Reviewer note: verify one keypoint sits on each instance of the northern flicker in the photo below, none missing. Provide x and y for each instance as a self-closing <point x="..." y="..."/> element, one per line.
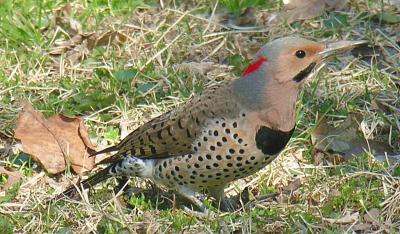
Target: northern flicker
<point x="229" y="131"/>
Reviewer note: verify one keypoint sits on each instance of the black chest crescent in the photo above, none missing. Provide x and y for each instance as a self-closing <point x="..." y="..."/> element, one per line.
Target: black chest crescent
<point x="271" y="141"/>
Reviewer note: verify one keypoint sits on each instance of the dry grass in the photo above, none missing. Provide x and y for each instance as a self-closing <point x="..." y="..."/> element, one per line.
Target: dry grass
<point x="176" y="53"/>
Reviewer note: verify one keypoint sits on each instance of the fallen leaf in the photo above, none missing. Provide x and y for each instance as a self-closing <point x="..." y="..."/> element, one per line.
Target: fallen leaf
<point x="345" y="219"/>
<point x="372" y="216"/>
<point x="362" y="227"/>
<point x="63" y="46"/>
<point x="105" y="38"/>
<point x="64" y="19"/>
<point x="77" y="44"/>
<point x="201" y="68"/>
<point x="345" y="139"/>
<point x="14" y="176"/>
<point x="55" y="141"/>
<point x="247" y="17"/>
<point x="295" y="10"/>
<point x="293" y="186"/>
<point x="239" y="20"/>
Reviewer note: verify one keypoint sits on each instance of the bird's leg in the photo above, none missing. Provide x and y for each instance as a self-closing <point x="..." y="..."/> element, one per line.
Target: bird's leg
<point x="193" y="197"/>
<point x="224" y="203"/>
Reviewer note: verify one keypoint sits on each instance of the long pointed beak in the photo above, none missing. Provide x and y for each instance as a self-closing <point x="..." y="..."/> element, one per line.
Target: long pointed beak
<point x="340" y="47"/>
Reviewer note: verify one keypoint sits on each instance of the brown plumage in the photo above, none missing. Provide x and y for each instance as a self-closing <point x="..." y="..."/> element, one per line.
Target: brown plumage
<point x="230" y="131"/>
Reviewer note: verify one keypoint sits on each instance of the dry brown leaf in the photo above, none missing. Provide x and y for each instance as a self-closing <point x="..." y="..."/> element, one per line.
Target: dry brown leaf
<point x="64" y="46"/>
<point x="362" y="227"/>
<point x="55" y="141"/>
<point x="246" y="17"/>
<point x="77" y="46"/>
<point x="14" y="176"/>
<point x="345" y="139"/>
<point x="64" y="19"/>
<point x="293" y="186"/>
<point x="345" y="219"/>
<point x="201" y="68"/>
<point x="295" y="10"/>
<point x="105" y="38"/>
<point x="372" y="216"/>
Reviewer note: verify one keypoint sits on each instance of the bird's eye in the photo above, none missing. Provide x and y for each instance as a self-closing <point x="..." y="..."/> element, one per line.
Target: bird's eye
<point x="300" y="54"/>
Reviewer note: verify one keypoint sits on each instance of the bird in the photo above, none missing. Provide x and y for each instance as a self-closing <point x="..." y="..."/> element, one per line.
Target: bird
<point x="229" y="131"/>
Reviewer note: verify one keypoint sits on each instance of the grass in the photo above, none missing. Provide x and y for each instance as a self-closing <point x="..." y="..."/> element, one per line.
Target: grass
<point x="120" y="84"/>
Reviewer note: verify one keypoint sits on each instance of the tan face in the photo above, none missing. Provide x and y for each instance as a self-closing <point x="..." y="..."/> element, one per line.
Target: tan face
<point x="292" y="59"/>
<point x="296" y="63"/>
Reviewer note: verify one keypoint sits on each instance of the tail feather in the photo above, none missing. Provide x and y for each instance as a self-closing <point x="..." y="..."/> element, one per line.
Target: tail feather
<point x="89" y="182"/>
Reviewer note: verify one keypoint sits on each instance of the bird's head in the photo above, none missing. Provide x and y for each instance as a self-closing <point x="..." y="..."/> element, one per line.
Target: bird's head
<point x="293" y="59"/>
<point x="282" y="65"/>
<point x="271" y="83"/>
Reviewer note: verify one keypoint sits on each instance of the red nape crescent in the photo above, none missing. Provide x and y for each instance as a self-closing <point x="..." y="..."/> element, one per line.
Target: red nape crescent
<point x="254" y="66"/>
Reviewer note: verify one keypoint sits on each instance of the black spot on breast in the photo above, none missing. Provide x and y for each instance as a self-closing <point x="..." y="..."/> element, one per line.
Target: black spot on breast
<point x="271" y="141"/>
<point x="180" y="124"/>
<point x="169" y="130"/>
<point x="159" y="135"/>
<point x="153" y="149"/>
<point x="150" y="139"/>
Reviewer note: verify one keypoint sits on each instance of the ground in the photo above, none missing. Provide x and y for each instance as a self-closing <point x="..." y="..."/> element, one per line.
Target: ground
<point x="117" y="64"/>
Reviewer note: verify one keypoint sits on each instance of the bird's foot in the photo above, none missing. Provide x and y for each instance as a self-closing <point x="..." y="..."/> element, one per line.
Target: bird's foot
<point x="228" y="205"/>
<point x="204" y="214"/>
<point x="196" y="199"/>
